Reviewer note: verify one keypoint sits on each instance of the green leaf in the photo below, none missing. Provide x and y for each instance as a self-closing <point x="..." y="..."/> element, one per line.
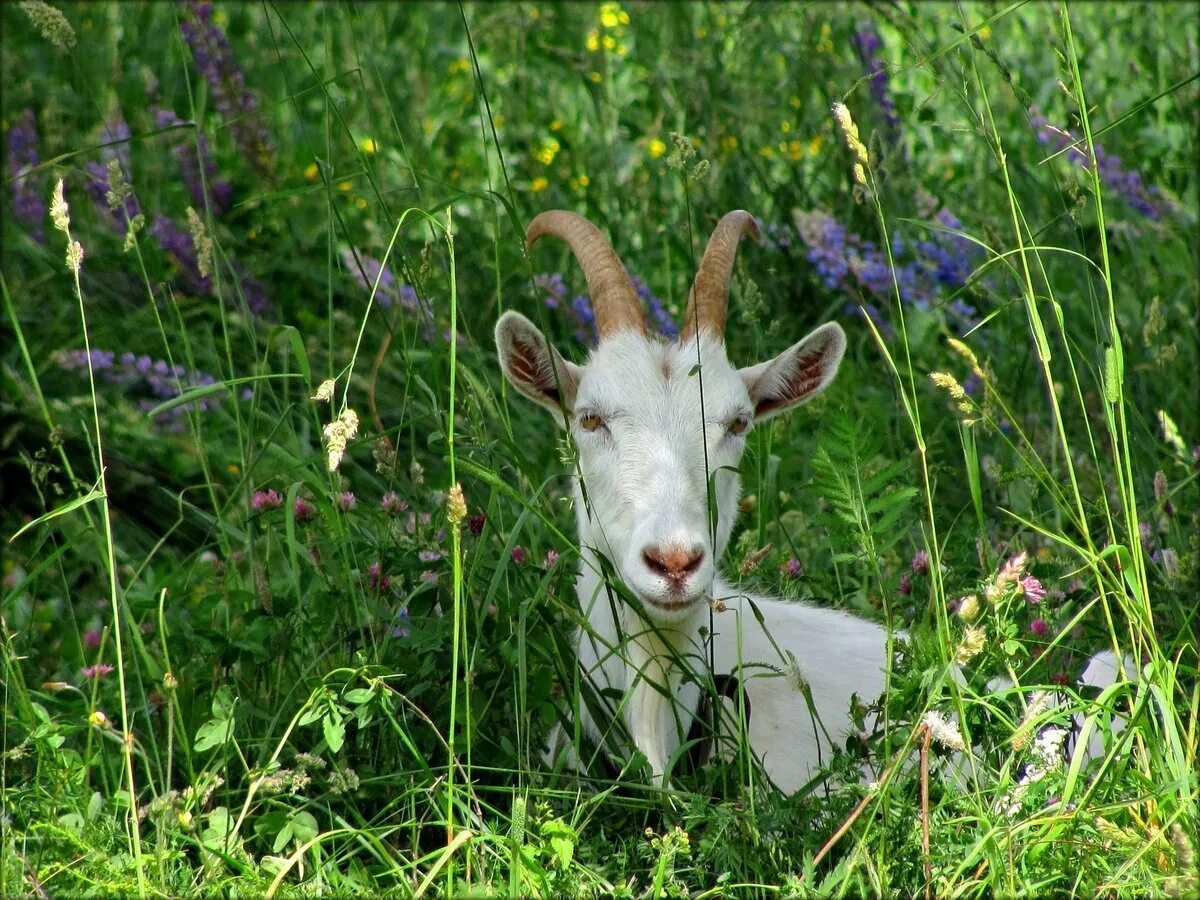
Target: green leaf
<point x="69" y="506"/>
<point x="335" y="731"/>
<point x="213" y="733"/>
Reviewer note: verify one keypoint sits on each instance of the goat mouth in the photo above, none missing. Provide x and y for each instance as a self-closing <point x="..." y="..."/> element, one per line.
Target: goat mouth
<point x="672" y="605"/>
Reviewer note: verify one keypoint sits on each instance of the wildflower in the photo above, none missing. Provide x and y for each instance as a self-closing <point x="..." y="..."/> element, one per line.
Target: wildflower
<point x="1009" y="574"/>
<point x="868" y="46"/>
<point x="968" y="607"/>
<point x="416" y="472"/>
<point x="920" y="563"/>
<point x="656" y="148"/>
<point x="98" y="719"/>
<point x="59" y="211"/>
<point x="1032" y="589"/>
<point x="202" y="242"/>
<point x="1160" y="487"/>
<point x="519" y="554"/>
<point x="400" y="631"/>
<point x="22" y="158"/>
<point x="343" y="781"/>
<point x="539" y="184"/>
<point x="392" y="504"/>
<point x="377" y="579"/>
<point x="74" y="256"/>
<point x="429" y="576"/>
<point x="260" y="501"/>
<point x="429" y="555"/>
<point x="1039" y="627"/>
<point x="905" y="585"/>
<point x="551" y="559"/>
<point x="475" y="524"/>
<point x="973" y="641"/>
<point x="943" y="731"/>
<point x="99" y="670"/>
<point x="792" y="568"/>
<point x="338" y="433"/>
<point x="325" y="390"/>
<point x="456" y="505"/>
<point x="346" y="501"/>
<point x="50" y="23"/>
<point x="303" y="511"/>
<point x="170" y="682"/>
<point x="190" y="149"/>
<point x="1169" y="560"/>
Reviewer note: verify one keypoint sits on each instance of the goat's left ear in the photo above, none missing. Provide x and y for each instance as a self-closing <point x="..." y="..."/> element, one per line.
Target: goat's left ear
<point x="796" y="374"/>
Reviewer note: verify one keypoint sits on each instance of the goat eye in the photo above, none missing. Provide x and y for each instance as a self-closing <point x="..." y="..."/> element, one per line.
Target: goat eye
<point x="591" y="422"/>
<point x="739" y="425"/>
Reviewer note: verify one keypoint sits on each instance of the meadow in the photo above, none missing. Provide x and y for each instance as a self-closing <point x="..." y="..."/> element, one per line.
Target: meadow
<point x="287" y="566"/>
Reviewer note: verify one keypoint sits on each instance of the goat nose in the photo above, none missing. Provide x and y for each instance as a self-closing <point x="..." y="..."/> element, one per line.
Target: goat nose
<point x="673" y="561"/>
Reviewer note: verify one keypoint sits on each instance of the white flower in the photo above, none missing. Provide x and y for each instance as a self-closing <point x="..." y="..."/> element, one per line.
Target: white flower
<point x="943" y="731"/>
<point x="338" y="434"/>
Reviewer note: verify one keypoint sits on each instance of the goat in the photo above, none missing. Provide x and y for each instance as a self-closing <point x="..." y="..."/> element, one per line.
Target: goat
<point x="660" y="428"/>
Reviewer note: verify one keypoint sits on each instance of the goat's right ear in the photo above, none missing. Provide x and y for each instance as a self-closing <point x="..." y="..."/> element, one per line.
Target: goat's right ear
<point x="533" y="367"/>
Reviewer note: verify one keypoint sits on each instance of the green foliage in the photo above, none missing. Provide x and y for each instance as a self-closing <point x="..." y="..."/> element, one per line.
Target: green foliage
<point x="229" y="668"/>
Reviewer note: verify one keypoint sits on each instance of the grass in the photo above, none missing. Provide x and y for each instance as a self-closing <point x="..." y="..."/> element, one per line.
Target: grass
<point x="227" y="667"/>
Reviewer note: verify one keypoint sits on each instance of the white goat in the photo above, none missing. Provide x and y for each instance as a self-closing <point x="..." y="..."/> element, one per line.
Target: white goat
<point x="660" y="428"/>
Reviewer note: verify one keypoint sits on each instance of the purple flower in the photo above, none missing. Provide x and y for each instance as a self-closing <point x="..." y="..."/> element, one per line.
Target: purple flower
<point x="868" y="45"/>
<point x="195" y="163"/>
<point x="428" y="577"/>
<point x="91" y="639"/>
<point x="99" y="670"/>
<point x="475" y="524"/>
<point x="28" y="203"/>
<point x="905" y="585"/>
<point x="235" y="103"/>
<point x="1032" y="588"/>
<point x="1125" y="183"/>
<point x="792" y="568"/>
<point x="658" y="320"/>
<point x="346" y="501"/>
<point x="428" y="556"/>
<point x="366" y="270"/>
<point x="303" y="511"/>
<point x="920" y="563"/>
<point x="261" y="501"/>
<point x="551" y="559"/>
<point x="378" y="581"/>
<point x="1039" y="627"/>
<point x="392" y="504"/>
<point x="399" y="630"/>
<point x="519" y="554"/>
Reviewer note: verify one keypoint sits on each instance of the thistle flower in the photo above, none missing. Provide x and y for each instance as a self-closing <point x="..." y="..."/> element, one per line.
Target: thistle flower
<point x="792" y="568"/>
<point x="50" y="23"/>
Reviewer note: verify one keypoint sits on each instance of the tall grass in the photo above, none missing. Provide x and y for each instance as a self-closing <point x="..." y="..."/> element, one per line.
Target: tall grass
<point x="321" y="681"/>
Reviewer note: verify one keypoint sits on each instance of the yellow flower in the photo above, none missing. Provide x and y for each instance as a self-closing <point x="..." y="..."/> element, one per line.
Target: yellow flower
<point x="594" y="76"/>
<point x="608" y="42"/>
<point x="610" y="15"/>
<point x="232" y="468"/>
<point x="785" y="126"/>
<point x="656" y="148"/>
<point x="462" y="64"/>
<point x="539" y="184"/>
<point x="584" y="181"/>
<point x="729" y="142"/>
<point x="344" y="185"/>
<point x="985" y="32"/>
<point x="593" y="41"/>
<point x="368" y="145"/>
<point x="361" y="203"/>
<point x="795" y="151"/>
<point x="556" y="125"/>
<point x="311" y="171"/>
<point x="814" y="146"/>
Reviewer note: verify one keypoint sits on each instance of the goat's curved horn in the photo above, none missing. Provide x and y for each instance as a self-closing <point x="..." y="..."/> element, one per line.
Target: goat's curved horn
<point x="708" y="302"/>
<point x="614" y="299"/>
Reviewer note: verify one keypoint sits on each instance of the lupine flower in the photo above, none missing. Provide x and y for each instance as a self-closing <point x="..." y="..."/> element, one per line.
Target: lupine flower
<point x="1125" y="183"/>
<point x="155" y="380"/>
<point x="195" y="164"/>
<point x="235" y="103"/>
<point x="115" y="206"/>
<point x="1039" y="627"/>
<point x="303" y="511"/>
<point x="261" y="501"/>
<point x="1032" y="589"/>
<point x="792" y="568"/>
<point x="519" y="554"/>
<point x="868" y="45"/>
<point x="392" y="504"/>
<point x="99" y="670"/>
<point x="429" y="555"/>
<point x="178" y="244"/>
<point x="27" y="205"/>
<point x="346" y="501"/>
<point x="579" y="310"/>
<point x="920" y="563"/>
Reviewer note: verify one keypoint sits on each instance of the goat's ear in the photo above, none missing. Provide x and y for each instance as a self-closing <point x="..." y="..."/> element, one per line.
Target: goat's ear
<point x="533" y="367"/>
<point x="797" y="374"/>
